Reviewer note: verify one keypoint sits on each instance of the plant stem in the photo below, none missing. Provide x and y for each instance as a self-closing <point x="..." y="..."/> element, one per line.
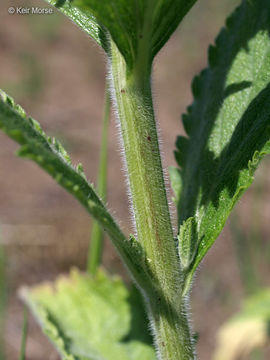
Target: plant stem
<point x="24" y="334"/>
<point x="2" y="301"/>
<point x="97" y="236"/>
<point x="244" y="258"/>
<point x="166" y="305"/>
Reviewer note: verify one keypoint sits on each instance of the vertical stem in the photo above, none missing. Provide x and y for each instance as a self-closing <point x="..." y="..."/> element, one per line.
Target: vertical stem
<point x="24" y="334"/>
<point x="244" y="258"/>
<point x="166" y="305"/>
<point x="97" y="236"/>
<point x="2" y="301"/>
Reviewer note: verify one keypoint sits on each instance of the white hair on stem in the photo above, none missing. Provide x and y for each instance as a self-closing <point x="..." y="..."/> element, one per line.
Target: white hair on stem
<point x="110" y="81"/>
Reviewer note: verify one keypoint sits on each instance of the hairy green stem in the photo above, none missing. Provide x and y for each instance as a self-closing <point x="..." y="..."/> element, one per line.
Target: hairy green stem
<point x="166" y="305"/>
<point x="97" y="236"/>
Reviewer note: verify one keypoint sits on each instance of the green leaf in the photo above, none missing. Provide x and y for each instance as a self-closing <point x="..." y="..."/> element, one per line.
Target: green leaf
<point x="84" y="20"/>
<point x="50" y="155"/>
<point x="228" y="124"/>
<point x="168" y="15"/>
<point x="121" y="18"/>
<point x="187" y="242"/>
<point x="246" y="330"/>
<point x="91" y="317"/>
<point x="176" y="182"/>
<point x="138" y="27"/>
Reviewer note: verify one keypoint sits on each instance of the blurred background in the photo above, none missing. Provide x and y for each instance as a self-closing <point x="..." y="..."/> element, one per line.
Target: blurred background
<point x="58" y="75"/>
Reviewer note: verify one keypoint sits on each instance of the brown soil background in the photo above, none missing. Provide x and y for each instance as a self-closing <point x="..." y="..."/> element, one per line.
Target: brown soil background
<point x="52" y="69"/>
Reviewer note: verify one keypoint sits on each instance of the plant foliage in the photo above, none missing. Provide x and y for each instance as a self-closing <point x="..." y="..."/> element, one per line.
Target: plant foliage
<point x="83" y="19"/>
<point x="228" y="133"/>
<point x="228" y="128"/>
<point x="50" y="155"/>
<point x="128" y="23"/>
<point x="91" y="317"/>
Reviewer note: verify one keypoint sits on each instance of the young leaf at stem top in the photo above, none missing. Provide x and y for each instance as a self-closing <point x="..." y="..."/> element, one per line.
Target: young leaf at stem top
<point x="228" y="126"/>
<point x="135" y="26"/>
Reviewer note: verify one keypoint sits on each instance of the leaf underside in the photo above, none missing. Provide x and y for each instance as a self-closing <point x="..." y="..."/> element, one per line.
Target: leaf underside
<point x="228" y="127"/>
<point x="90" y="318"/>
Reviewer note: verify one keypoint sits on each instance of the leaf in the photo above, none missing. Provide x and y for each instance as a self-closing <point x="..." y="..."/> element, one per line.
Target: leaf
<point x="176" y="182"/>
<point x="91" y="317"/>
<point x="138" y="27"/>
<point x="187" y="241"/>
<point x="84" y="20"/>
<point x="120" y="18"/>
<point x="168" y="15"/>
<point x="228" y="124"/>
<point x="246" y="330"/>
<point x="50" y="155"/>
